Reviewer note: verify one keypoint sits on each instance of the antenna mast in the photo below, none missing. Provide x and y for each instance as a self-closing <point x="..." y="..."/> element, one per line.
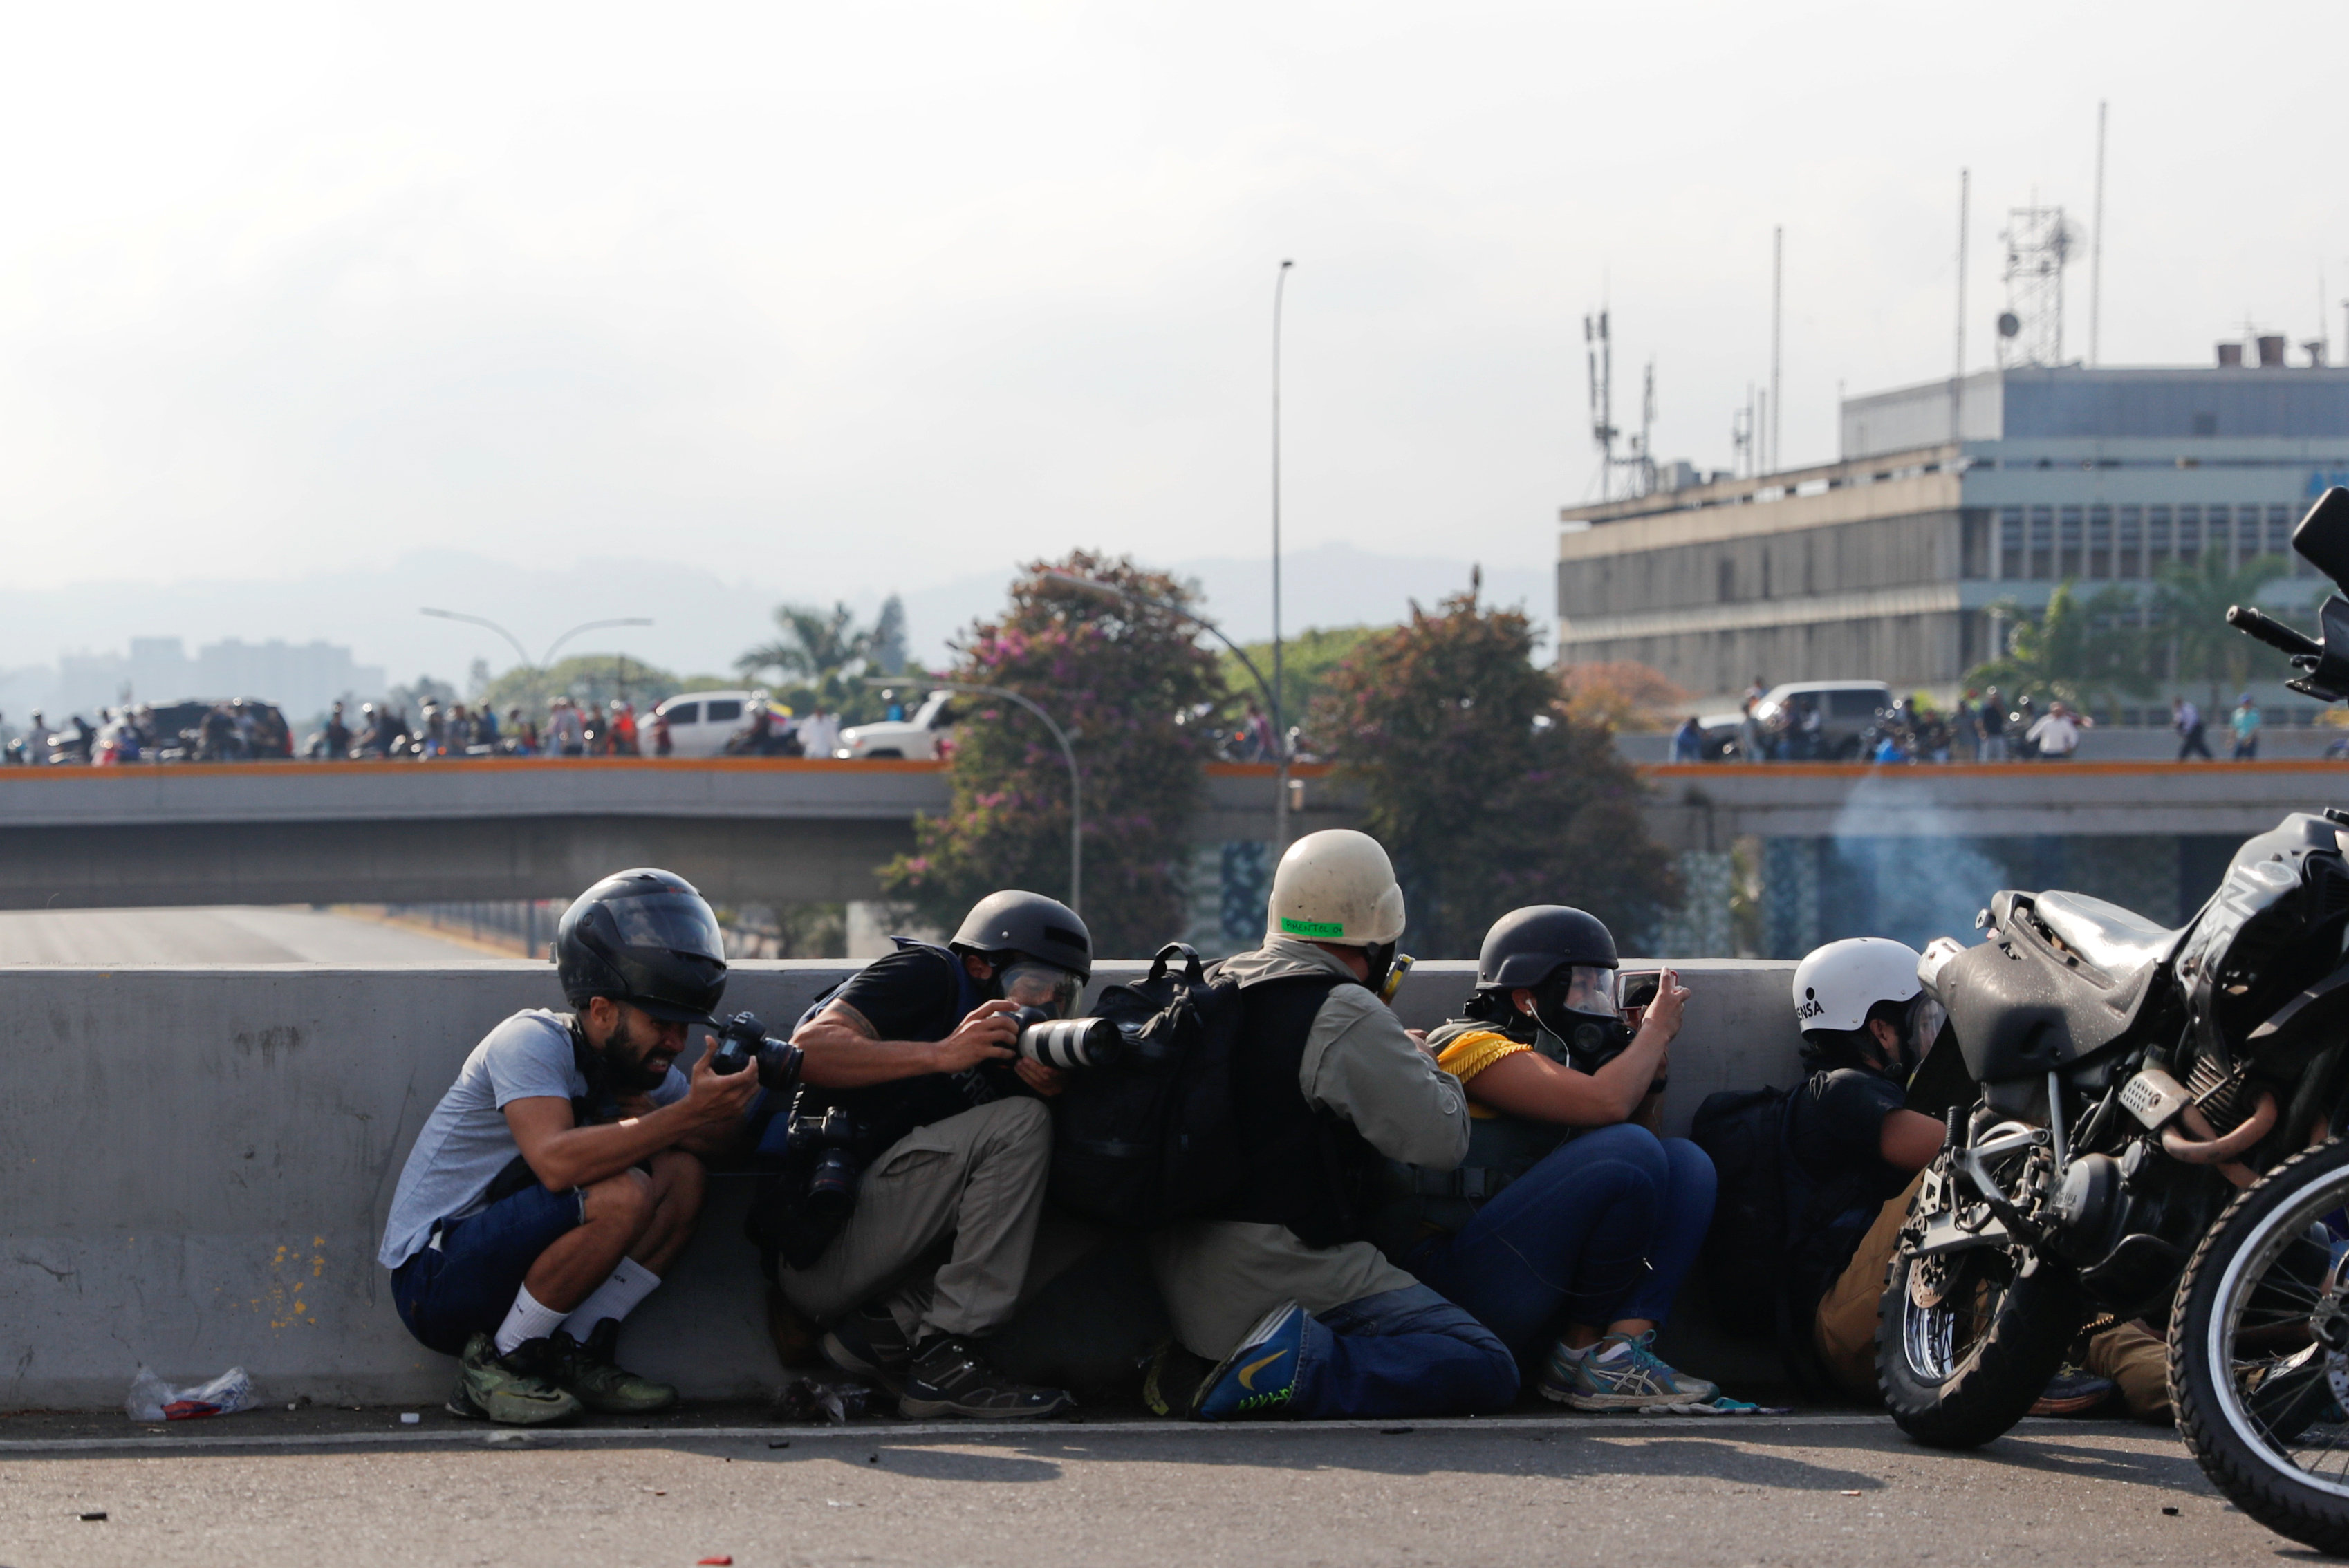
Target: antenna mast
<point x="2040" y="243"/>
<point x="1957" y="376"/>
<point x="1598" y="338"/>
<point x="1777" y="302"/>
<point x="2096" y="248"/>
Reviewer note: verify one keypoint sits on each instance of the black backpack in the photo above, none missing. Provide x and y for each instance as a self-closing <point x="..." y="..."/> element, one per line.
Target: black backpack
<point x="1747" y="1251"/>
<point x="1152" y="1138"/>
<point x="1779" y="1238"/>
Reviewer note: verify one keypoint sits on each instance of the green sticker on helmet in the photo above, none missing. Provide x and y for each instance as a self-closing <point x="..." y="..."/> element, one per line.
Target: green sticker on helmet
<point x="1317" y="930"/>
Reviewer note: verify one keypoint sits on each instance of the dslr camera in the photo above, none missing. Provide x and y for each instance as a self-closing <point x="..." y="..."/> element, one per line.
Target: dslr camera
<point x="743" y="1043"/>
<point x="1058" y="1042"/>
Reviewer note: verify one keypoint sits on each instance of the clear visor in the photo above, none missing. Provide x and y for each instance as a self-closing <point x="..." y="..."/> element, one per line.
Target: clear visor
<point x="1033" y="984"/>
<point x="670" y="920"/>
<point x="1925" y="1021"/>
<point x="1586" y="988"/>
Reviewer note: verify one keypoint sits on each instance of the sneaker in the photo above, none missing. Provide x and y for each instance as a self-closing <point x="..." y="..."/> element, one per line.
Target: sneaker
<point x="512" y="1389"/>
<point x="1259" y="1377"/>
<point x="1598" y="1379"/>
<point x="591" y="1375"/>
<point x="868" y="1344"/>
<point x="947" y="1377"/>
<point x="2071" y="1392"/>
<point x="1172" y="1378"/>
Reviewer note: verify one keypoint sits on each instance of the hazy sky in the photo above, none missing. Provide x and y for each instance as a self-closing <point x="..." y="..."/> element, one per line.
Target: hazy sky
<point x="874" y="295"/>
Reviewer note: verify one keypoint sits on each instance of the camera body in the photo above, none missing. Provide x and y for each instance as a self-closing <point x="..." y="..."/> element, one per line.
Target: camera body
<point x="824" y="1140"/>
<point x="743" y="1043"/>
<point x="1057" y="1042"/>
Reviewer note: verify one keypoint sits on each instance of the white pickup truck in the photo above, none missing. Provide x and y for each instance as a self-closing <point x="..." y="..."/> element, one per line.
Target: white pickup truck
<point x="914" y="738"/>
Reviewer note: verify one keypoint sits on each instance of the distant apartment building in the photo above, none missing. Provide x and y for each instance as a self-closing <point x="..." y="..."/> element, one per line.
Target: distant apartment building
<point x="1952" y="498"/>
<point x="301" y="678"/>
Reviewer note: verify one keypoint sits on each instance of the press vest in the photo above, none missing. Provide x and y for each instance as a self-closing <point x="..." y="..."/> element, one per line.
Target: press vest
<point x="1416" y="1202"/>
<point x="1307" y="1168"/>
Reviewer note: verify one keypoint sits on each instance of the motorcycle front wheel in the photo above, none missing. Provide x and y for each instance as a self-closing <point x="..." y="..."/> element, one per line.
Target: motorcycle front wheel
<point x="2259" y="1350"/>
<point x="1965" y="1341"/>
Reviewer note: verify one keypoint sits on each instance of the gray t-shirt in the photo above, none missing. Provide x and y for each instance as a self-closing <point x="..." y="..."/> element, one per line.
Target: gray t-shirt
<point x="466" y="1141"/>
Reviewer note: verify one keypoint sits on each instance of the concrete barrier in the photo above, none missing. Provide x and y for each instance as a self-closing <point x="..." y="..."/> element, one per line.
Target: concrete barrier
<point x="195" y="1165"/>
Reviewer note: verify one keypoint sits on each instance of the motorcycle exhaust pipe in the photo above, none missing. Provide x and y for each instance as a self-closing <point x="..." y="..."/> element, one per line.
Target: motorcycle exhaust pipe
<point x="2209" y="1149"/>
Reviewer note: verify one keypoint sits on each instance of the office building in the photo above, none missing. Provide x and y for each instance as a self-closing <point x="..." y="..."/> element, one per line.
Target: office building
<point x="1950" y="500"/>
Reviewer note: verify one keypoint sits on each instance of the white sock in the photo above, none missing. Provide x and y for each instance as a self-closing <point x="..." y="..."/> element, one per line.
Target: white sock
<point x="526" y="1319"/>
<point x="1616" y="1351"/>
<point x="617" y="1297"/>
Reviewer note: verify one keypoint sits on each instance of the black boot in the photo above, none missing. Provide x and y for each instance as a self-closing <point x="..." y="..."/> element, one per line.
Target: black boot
<point x="948" y="1377"/>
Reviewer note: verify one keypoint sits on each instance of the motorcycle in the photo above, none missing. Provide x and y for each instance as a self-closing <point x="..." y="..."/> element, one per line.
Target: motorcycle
<point x="2147" y="1122"/>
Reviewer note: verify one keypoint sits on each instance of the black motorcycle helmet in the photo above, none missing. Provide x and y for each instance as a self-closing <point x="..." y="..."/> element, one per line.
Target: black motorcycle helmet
<point x="644" y="937"/>
<point x="1558" y="954"/>
<point x="1027" y="923"/>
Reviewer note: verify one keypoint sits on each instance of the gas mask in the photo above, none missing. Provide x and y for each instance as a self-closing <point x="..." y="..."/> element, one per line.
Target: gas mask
<point x="1578" y="1006"/>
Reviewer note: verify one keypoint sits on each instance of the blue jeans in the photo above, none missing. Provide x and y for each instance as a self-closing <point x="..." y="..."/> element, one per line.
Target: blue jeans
<point x="1405" y="1352"/>
<point x="465" y="1287"/>
<point x="1604" y="1228"/>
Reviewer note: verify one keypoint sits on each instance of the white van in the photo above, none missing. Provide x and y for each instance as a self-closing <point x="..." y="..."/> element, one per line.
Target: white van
<point x="915" y="739"/>
<point x="701" y="723"/>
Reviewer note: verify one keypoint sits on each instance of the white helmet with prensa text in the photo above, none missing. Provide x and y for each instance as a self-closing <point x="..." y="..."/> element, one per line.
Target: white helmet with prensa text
<point x="1837" y="984"/>
<point x="1336" y="885"/>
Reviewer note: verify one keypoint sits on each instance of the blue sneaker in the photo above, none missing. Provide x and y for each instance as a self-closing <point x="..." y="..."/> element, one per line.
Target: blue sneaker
<point x="1618" y="1373"/>
<point x="1259" y="1377"/>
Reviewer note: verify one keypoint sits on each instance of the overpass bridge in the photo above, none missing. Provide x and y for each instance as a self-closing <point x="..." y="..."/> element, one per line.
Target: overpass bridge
<point x="497" y="829"/>
<point x="1823" y="850"/>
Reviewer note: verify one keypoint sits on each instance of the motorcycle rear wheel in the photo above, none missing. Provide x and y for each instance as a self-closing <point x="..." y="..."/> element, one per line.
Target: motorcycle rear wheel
<point x="1961" y="1360"/>
<point x="2252" y="1388"/>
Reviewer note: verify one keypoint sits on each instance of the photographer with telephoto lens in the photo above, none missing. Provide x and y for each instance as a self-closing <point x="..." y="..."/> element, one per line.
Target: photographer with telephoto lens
<point x="558" y="1177"/>
<point x="923" y="1052"/>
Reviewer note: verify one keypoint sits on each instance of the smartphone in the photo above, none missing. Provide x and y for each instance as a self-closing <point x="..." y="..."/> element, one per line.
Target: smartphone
<point x="1637" y="987"/>
<point x="1397" y="972"/>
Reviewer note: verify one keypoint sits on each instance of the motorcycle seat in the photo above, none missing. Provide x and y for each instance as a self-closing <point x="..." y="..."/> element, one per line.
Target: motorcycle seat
<point x="2121" y="944"/>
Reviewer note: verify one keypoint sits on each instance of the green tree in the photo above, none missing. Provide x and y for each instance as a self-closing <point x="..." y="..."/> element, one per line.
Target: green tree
<point x="1306" y="661"/>
<point x="589" y="679"/>
<point x="2084" y="653"/>
<point x="1125" y="680"/>
<point x="2191" y="601"/>
<point x="1489" y="791"/>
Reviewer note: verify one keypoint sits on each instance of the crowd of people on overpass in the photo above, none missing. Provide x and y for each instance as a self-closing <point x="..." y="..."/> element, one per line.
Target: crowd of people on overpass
<point x="1342" y="1217"/>
<point x="1983" y="726"/>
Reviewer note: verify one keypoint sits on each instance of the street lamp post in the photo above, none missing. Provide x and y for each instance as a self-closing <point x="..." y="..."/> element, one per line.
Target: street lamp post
<point x="1279" y="290"/>
<point x="1068" y="755"/>
<point x="1271" y="692"/>
<point x="523" y="654"/>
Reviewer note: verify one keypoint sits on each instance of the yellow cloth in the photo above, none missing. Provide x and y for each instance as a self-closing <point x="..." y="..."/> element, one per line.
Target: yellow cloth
<point x="1467" y="1054"/>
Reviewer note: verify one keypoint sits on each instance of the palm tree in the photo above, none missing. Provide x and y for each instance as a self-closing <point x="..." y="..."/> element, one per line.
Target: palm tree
<point x="2191" y="601"/>
<point x="818" y="645"/>
<point x="2084" y="653"/>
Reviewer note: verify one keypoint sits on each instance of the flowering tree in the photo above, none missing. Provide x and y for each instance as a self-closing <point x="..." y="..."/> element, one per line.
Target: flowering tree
<point x="1125" y="680"/>
<point x="1488" y="787"/>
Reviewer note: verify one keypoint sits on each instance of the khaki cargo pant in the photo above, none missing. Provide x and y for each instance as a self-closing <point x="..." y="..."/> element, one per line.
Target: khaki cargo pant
<point x="944" y="1225"/>
<point x="1844" y="1330"/>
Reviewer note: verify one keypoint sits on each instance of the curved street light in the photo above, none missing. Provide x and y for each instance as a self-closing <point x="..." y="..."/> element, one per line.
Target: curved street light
<point x="1068" y="755"/>
<point x="1271" y="694"/>
<point x="522" y="653"/>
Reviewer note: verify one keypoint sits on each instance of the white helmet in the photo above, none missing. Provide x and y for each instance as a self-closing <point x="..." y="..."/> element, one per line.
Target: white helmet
<point x="1336" y="885"/>
<point x="1837" y="984"/>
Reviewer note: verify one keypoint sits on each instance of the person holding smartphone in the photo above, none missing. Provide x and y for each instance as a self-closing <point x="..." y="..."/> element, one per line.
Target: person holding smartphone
<point x="1568" y="1228"/>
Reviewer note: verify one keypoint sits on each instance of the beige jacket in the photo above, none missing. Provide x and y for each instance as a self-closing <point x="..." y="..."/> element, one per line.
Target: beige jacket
<point x="1219" y="1277"/>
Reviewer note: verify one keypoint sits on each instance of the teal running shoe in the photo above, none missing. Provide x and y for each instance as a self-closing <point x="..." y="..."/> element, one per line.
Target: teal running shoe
<point x="1259" y="1377"/>
<point x="1620" y="1373"/>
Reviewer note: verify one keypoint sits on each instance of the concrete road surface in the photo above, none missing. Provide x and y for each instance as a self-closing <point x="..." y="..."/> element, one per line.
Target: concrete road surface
<point x="1815" y="1491"/>
<point x="228" y="934"/>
